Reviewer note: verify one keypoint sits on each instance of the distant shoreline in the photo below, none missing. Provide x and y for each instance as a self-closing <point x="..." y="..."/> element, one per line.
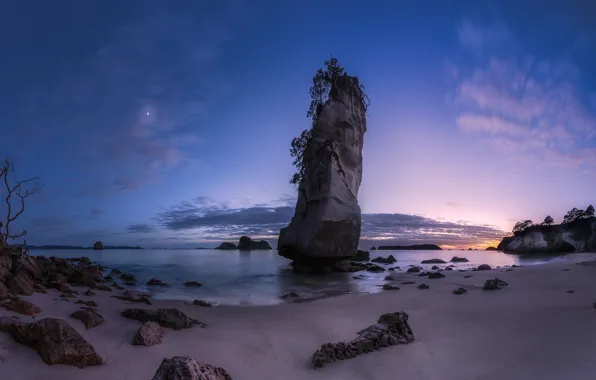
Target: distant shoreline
<point x="64" y="247"/>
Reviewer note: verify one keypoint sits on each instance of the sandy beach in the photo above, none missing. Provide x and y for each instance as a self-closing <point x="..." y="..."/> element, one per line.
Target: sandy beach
<point x="534" y="328"/>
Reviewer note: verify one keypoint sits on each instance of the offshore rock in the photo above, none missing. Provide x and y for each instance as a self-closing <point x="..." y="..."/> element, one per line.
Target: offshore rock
<point x="326" y="224"/>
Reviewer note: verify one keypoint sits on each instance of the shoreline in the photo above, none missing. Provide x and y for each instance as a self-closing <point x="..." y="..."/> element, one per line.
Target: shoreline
<point x="517" y="332"/>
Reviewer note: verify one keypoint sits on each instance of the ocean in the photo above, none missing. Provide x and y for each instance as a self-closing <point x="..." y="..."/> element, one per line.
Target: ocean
<point x="261" y="277"/>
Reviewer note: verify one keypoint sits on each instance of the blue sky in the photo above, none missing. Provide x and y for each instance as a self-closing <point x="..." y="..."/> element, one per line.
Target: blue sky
<point x="168" y="123"/>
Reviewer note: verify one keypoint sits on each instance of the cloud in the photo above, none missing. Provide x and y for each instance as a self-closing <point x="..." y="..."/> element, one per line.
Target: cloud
<point x="132" y="110"/>
<point x="214" y="221"/>
<point x="531" y="109"/>
<point x="140" y="229"/>
<point x="477" y="38"/>
<point x="451" y="204"/>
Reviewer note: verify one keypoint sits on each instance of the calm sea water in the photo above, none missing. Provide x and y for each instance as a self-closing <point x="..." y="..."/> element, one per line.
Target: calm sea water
<point x="261" y="277"/>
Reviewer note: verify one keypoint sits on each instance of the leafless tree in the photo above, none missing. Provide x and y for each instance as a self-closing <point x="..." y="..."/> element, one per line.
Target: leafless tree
<point x="15" y="193"/>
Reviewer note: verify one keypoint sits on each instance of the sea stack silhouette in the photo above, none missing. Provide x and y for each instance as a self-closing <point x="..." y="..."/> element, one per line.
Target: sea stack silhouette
<point x="326" y="224"/>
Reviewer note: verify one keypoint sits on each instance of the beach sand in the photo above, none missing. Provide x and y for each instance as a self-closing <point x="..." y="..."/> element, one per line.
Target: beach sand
<point x="532" y="329"/>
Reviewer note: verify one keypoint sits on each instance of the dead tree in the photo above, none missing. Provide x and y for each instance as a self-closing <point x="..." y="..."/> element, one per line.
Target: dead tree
<point x="14" y="197"/>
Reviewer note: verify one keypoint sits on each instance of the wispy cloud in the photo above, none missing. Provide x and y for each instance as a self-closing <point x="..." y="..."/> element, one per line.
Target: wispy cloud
<point x="523" y="106"/>
<point x="140" y="229"/>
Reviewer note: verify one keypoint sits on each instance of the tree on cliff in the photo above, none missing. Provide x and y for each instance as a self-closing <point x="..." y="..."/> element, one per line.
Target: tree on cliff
<point x="319" y="94"/>
<point x="522" y="226"/>
<point x="548" y="221"/>
<point x="575" y="214"/>
<point x="590" y="211"/>
<point x="14" y="193"/>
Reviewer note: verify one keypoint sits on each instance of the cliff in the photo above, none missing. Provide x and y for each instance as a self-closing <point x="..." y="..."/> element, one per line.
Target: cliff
<point x="326" y="224"/>
<point x="576" y="236"/>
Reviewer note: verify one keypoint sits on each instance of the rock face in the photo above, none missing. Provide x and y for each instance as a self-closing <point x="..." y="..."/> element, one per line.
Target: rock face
<point x="247" y="244"/>
<point x="56" y="341"/>
<point x="186" y="368"/>
<point x="326" y="222"/>
<point x="391" y="329"/>
<point x="579" y="235"/>
<point x="149" y="334"/>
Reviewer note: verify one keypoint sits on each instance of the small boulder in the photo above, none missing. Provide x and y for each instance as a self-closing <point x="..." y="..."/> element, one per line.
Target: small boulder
<point x="494" y="284"/>
<point x="193" y="283"/>
<point x="156" y="282"/>
<point x="384" y="260"/>
<point x="423" y="286"/>
<point x="128" y="277"/>
<point x="456" y="259"/>
<point x="128" y="297"/>
<point x="408" y="282"/>
<point x="202" y="303"/>
<point x="149" y="334"/>
<point x="434" y="261"/>
<point x="484" y="267"/>
<point x="290" y="297"/>
<point x="21" y="306"/>
<point x="186" y="368"/>
<point x="89" y="293"/>
<point x="390" y="287"/>
<point x="56" y="341"/>
<point x="467" y="276"/>
<point x="89" y="318"/>
<point x="171" y="318"/>
<point x="374" y="268"/>
<point x="87" y="303"/>
<point x="459" y="291"/>
<point x="435" y="275"/>
<point x="413" y="270"/>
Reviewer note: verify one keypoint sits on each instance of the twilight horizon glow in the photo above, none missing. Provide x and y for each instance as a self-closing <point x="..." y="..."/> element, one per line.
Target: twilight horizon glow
<point x="169" y="125"/>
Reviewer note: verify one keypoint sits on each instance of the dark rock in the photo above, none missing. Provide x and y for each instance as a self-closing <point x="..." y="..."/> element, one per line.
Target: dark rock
<point x="459" y="291"/>
<point x="128" y="277"/>
<point x="193" y="283"/>
<point x="361" y="256"/>
<point x="390" y="287"/>
<point x="374" y="268"/>
<point x="491" y="249"/>
<point x="391" y="329"/>
<point x="156" y="282"/>
<point x="509" y="270"/>
<point x="408" y="282"/>
<point x="68" y="295"/>
<point x="434" y="261"/>
<point x="20" y="283"/>
<point x="56" y="341"/>
<point x="89" y="293"/>
<point x="89" y="318"/>
<point x="413" y="270"/>
<point x="571" y="291"/>
<point x="186" y="368"/>
<point x="131" y="298"/>
<point x="388" y="278"/>
<point x="116" y="271"/>
<point x="149" y="334"/>
<point x="384" y="260"/>
<point x="435" y="275"/>
<point x="423" y="286"/>
<point x="456" y="259"/>
<point x="484" y="267"/>
<point x="448" y="268"/>
<point x="130" y="283"/>
<point x="105" y="288"/>
<point x="227" y="246"/>
<point x="21" y="306"/>
<point x="247" y="244"/>
<point x="434" y="267"/>
<point x="87" y="303"/>
<point x="494" y="284"/>
<point x="61" y="286"/>
<point x="468" y="276"/>
<point x="290" y="297"/>
<point x="202" y="303"/>
<point x="171" y="318"/>
<point x="359" y="277"/>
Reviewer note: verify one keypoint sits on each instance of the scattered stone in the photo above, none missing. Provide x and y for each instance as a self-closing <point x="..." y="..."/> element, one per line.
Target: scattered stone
<point x="408" y="282"/>
<point x="128" y="277"/>
<point x="423" y="286"/>
<point x="448" y="268"/>
<point x="290" y="297"/>
<point x="388" y="278"/>
<point x="571" y="291"/>
<point x="172" y="318"/>
<point x="88" y="303"/>
<point x="89" y="293"/>
<point x="435" y="275"/>
<point x="193" y="283"/>
<point x="131" y="298"/>
<point x="566" y="269"/>
<point x="433" y="261"/>
<point x="20" y="283"/>
<point x="156" y="282"/>
<point x="494" y="284"/>
<point x="459" y="291"/>
<point x="384" y="260"/>
<point x="21" y="306"/>
<point x="374" y="268"/>
<point x="202" y="303"/>
<point x="105" y="288"/>
<point x="413" y="270"/>
<point x="89" y="318"/>
<point x="391" y="329"/>
<point x="509" y="270"/>
<point x="434" y="267"/>
<point x="484" y="267"/>
<point x="456" y="259"/>
<point x="149" y="334"/>
<point x="390" y="287"/>
<point x="186" y="368"/>
<point x="56" y="341"/>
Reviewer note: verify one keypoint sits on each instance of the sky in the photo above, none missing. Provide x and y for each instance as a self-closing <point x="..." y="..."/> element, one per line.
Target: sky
<point x="168" y="124"/>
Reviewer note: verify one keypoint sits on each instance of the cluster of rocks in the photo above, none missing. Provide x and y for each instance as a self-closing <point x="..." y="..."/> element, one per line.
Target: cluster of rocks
<point x="245" y="244"/>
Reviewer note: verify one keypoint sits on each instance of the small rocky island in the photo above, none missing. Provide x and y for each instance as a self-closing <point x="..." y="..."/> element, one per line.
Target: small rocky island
<point x="577" y="233"/>
<point x="245" y="244"/>
<point x="98" y="246"/>
<point x="325" y="228"/>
